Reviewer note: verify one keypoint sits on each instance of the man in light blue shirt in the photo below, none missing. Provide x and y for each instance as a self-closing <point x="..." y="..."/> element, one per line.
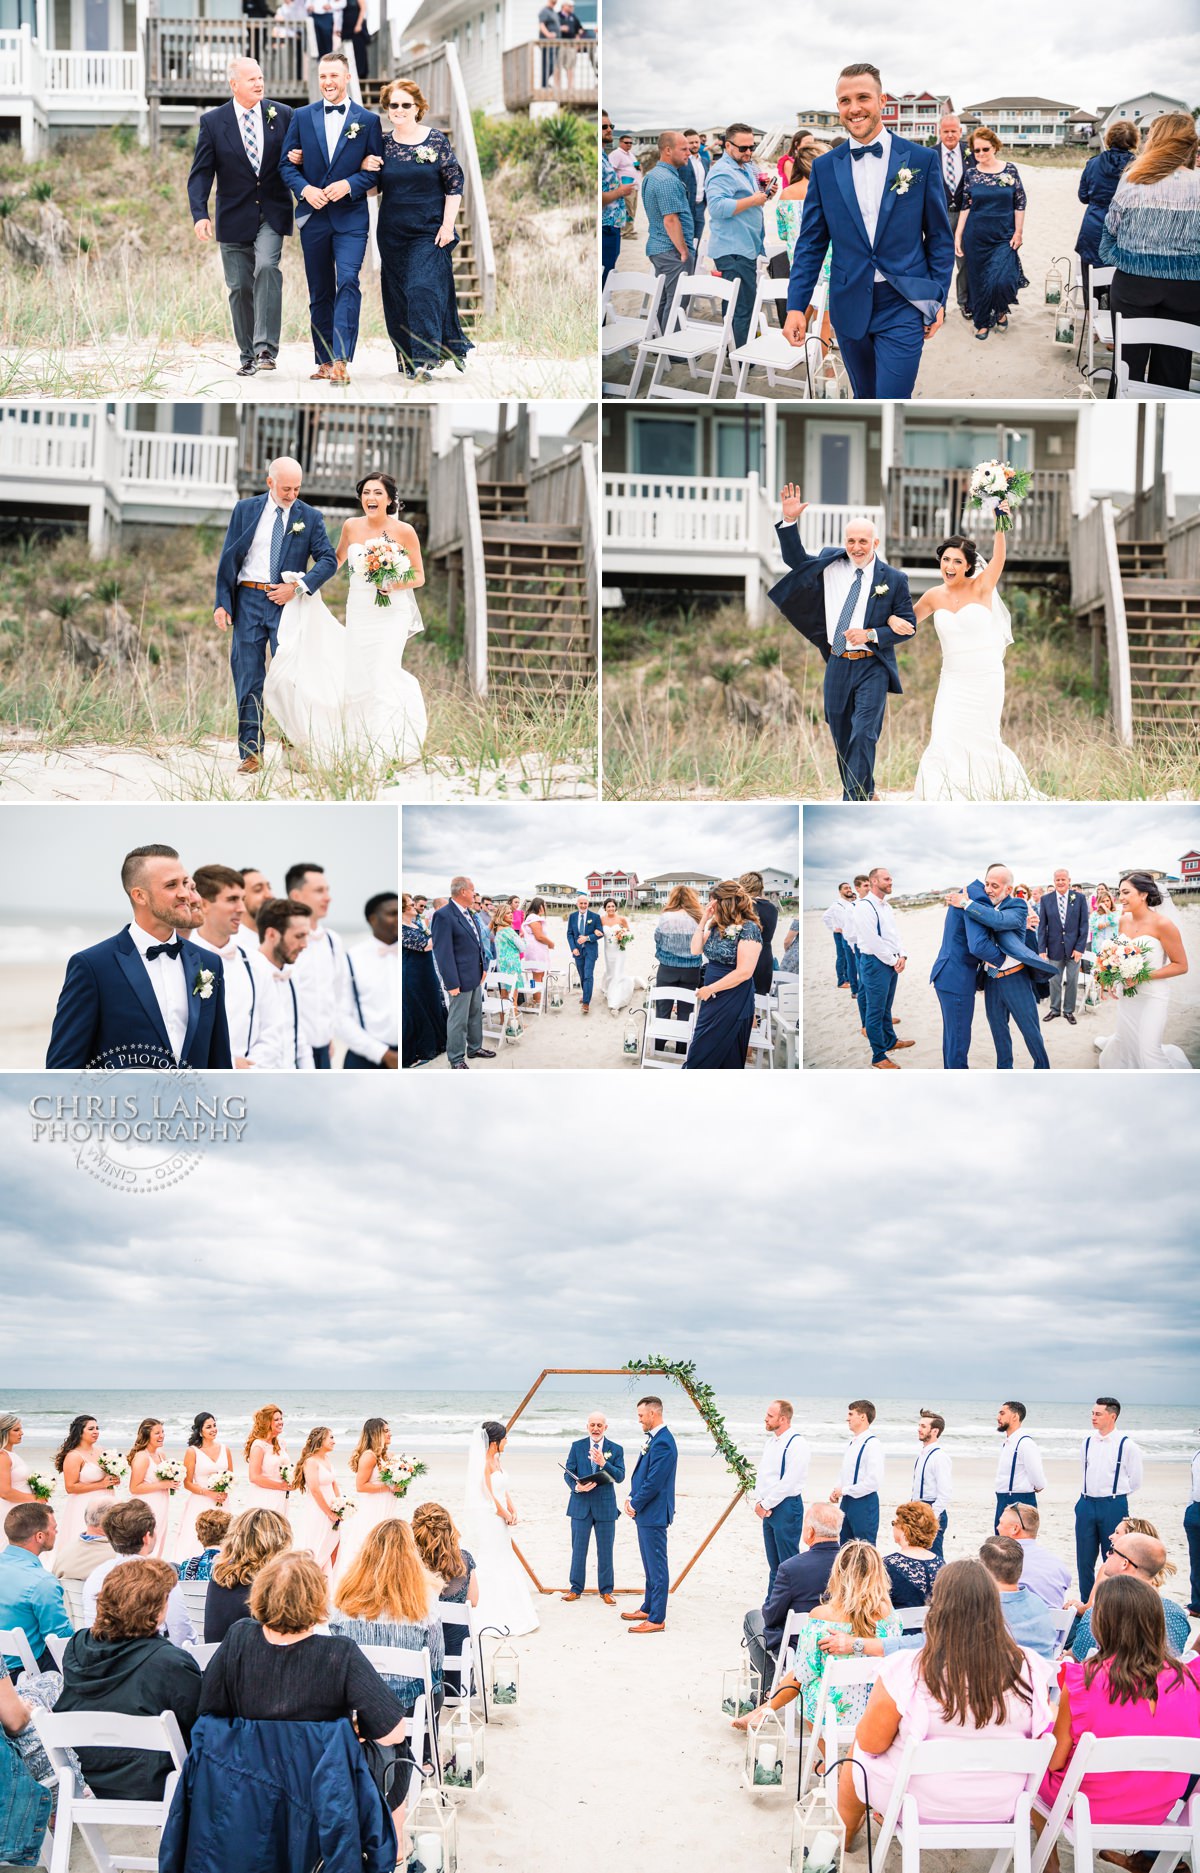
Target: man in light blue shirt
<point x="30" y="1597"/>
<point x="671" y="242"/>
<point x="1042" y="1572"/>
<point x="735" y="205"/>
<point x="1028" y="1618"/>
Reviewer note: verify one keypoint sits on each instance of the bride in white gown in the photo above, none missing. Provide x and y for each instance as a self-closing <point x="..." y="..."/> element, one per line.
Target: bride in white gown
<point x="618" y="983"/>
<point x="504" y="1600"/>
<point x="341" y="690"/>
<point x="966" y="758"/>
<point x="1141" y="1018"/>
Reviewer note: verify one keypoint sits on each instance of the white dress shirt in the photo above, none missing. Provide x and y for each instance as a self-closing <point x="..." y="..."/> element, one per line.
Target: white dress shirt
<point x="369" y="1023"/>
<point x="952" y="166"/>
<point x="698" y="171"/>
<point x="170" y="985"/>
<point x="870" y="1470"/>
<point x="241" y="997"/>
<point x="1019" y="1472"/>
<point x="319" y="973"/>
<point x="180" y="1629"/>
<point x="280" y="1046"/>
<point x="1102" y="1456"/>
<point x="256" y="117"/>
<point x="869" y="176"/>
<point x="838" y="579"/>
<point x="1196" y="1477"/>
<point x="782" y="1469"/>
<point x="876" y="932"/>
<point x="335" y="123"/>
<point x="256" y="567"/>
<point x="834" y="918"/>
<point x="931" y="1478"/>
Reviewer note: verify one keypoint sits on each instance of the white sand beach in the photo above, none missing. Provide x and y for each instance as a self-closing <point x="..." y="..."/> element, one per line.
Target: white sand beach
<point x="831" y="1028"/>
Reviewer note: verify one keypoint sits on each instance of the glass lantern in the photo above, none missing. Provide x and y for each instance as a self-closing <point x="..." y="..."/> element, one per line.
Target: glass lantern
<point x="632" y="1044"/>
<point x="766" y="1749"/>
<point x="818" y="1834"/>
<point x="1064" y="326"/>
<point x="505" y="1677"/>
<point x="741" y="1690"/>
<point x="432" y="1830"/>
<point x="463" y="1766"/>
<point x="1054" y="285"/>
<point x="556" y="994"/>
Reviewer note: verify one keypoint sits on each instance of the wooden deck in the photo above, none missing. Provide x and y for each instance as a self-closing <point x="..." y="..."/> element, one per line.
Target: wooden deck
<point x="549" y="71"/>
<point x="924" y="505"/>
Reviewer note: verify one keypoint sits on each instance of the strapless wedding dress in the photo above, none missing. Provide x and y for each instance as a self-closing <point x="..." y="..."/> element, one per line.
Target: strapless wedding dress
<point x="343" y="691"/>
<point x="504" y="1599"/>
<point x="1141" y="1019"/>
<point x="618" y="983"/>
<point x="966" y="758"/>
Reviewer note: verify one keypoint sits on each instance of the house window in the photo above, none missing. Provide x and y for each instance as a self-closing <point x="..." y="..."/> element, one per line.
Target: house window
<point x="955" y="446"/>
<point x="738" y="446"/>
<point x="666" y="445"/>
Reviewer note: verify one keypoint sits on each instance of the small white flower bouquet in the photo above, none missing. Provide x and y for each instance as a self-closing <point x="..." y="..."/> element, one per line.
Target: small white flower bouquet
<point x="40" y="1486"/>
<point x="169" y="1472"/>
<point x="997" y="488"/>
<point x="113" y="1464"/>
<point x="398" y="1472"/>
<point x="1122" y="964"/>
<point x="384" y="564"/>
<point x="287" y="1473"/>
<point x="344" y="1510"/>
<point x="221" y="1482"/>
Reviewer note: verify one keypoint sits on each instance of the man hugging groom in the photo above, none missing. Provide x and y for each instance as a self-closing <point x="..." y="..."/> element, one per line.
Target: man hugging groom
<point x="987" y="932"/>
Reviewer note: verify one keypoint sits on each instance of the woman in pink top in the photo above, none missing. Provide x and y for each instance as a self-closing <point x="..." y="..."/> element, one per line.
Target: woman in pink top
<point x="969" y="1679"/>
<point x="1129" y="1687"/>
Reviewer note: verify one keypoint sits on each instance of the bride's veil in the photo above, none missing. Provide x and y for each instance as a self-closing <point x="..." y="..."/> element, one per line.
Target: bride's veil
<point x="476" y="1491"/>
<point x="1000" y="611"/>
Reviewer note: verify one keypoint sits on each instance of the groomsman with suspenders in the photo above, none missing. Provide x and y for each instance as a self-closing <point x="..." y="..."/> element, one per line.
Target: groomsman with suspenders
<point x="221" y="892"/>
<point x="779" y="1487"/>
<point x="1191" y="1528"/>
<point x="1112" y="1471"/>
<point x="1019" y="1473"/>
<point x="931" y="1473"/>
<point x="862" y="1475"/>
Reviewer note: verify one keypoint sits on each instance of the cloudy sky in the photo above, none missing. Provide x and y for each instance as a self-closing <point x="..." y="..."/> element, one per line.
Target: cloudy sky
<point x="956" y="1235"/>
<point x="934" y="847"/>
<point x="68" y="862"/>
<point x="514" y="848"/>
<point x="554" y="417"/>
<point x="700" y="60"/>
<point x="1111" y="460"/>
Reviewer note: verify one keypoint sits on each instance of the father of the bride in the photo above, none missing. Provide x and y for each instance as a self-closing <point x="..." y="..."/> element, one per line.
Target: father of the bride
<point x="879" y="200"/>
<point x="269" y="535"/>
<point x="1008" y="989"/>
<point x="651" y="1503"/>
<point x="592" y="1471"/>
<point x="146" y="999"/>
<point x="238" y="146"/>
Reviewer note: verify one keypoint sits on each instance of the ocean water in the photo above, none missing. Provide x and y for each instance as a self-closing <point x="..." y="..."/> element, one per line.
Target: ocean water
<point x="41" y="937"/>
<point x="422" y="1422"/>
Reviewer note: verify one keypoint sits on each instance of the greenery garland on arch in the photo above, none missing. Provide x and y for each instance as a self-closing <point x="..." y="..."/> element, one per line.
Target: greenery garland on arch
<point x="683" y="1371"/>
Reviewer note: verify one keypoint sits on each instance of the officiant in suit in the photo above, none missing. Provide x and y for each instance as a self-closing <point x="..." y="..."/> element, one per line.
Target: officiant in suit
<point x="592" y="1471"/>
<point x="585" y="933"/>
<point x="146" y="999"/>
<point x="239" y="146"/>
<point x="1062" y="938"/>
<point x="955" y="159"/>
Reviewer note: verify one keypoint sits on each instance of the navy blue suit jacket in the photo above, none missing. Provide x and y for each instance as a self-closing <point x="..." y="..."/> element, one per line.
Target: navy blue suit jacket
<point x="1007" y="922"/>
<point x="965" y="944"/>
<point x="800" y="596"/>
<point x="913" y="246"/>
<point x="800" y="1584"/>
<point x="954" y="197"/>
<point x="308" y="129"/>
<point x="599" y="1504"/>
<point x="652" y="1487"/>
<point x="592" y="924"/>
<point x="311" y="543"/>
<point x="107" y="1014"/>
<point x="1052" y="939"/>
<point x="243" y="198"/>
<point x="457" y="948"/>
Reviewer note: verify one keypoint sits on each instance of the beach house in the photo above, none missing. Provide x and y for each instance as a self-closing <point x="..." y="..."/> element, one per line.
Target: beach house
<point x="621" y="885"/>
<point x="1025" y="123"/>
<point x="504" y="64"/>
<point x="1143" y="109"/>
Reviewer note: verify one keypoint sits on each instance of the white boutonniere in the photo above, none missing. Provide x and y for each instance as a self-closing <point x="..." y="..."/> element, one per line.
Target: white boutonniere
<point x="270" y="113"/>
<point x="881" y="591"/>
<point x="203" y="985"/>
<point x="297" y="526"/>
<point x="904" y="181"/>
<point x="353" y="132"/>
<point x="646" y="1442"/>
<point x="607" y="1455"/>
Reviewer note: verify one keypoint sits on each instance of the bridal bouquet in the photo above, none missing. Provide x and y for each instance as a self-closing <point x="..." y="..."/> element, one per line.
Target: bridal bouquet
<point x="169" y="1472"/>
<point x="385" y="563"/>
<point x="624" y="939"/>
<point x="113" y="1464"/>
<point x="997" y="488"/>
<point x="1122" y="964"/>
<point x="221" y="1482"/>
<point x="399" y="1472"/>
<point x="39" y="1486"/>
<point x="345" y="1509"/>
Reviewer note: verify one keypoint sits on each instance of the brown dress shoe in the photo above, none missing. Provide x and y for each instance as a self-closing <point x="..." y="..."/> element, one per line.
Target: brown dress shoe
<point x="640" y="1614"/>
<point x="322" y="370"/>
<point x="886" y="1063"/>
<point x="648" y="1625"/>
<point x="896" y="1044"/>
<point x="568" y="1597"/>
<point x="250" y="765"/>
<point x="608" y="1599"/>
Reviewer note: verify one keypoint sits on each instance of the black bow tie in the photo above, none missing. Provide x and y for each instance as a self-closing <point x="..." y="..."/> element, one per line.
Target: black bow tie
<point x="334" y="110"/>
<point x="163" y="949"/>
<point x="867" y="149"/>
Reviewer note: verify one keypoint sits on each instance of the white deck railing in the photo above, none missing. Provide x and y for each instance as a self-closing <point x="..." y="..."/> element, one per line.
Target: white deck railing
<point x="713" y="514"/>
<point x="175" y="468"/>
<point x="109" y="80"/>
<point x="52" y="442"/>
<point x="74" y="446"/>
<point x="15" y="62"/>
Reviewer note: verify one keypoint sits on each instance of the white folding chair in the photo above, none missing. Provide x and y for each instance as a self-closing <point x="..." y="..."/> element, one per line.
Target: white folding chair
<point x="911" y="1618"/>
<point x="1070" y="1819"/>
<point x="1127" y="331"/>
<point x="493" y="1006"/>
<point x="56" y="1645"/>
<point x="203" y="1651"/>
<point x="787" y="1646"/>
<point x="787" y="1013"/>
<point x="14" y="1643"/>
<point x="1064" y="1619"/>
<point x="838" y="1673"/>
<point x="622" y="331"/>
<point x="90" y="1814"/>
<point x="767" y="349"/>
<point x="398" y="1661"/>
<point x="1097" y="319"/>
<point x="688" y="339"/>
<point x="73" y="1595"/>
<point x="462" y="1651"/>
<point x="195" y="1596"/>
<point x="662" y="1032"/>
<point x="762" y="1034"/>
<point x="1026" y="1757"/>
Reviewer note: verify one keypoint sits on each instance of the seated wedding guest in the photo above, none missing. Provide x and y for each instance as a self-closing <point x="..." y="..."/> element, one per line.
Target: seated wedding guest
<point x="1042" y="1572"/>
<point x="913" y="1569"/>
<point x="370" y="1013"/>
<point x="123" y="1663"/>
<point x="451" y="1565"/>
<point x="77" y="1559"/>
<point x="1144" y="1557"/>
<point x="730" y="939"/>
<point x="30" y="1597"/>
<point x="256" y="1537"/>
<point x="212" y="1526"/>
<point x="130" y="1529"/>
<point x="1131" y="1686"/>
<point x="970" y="1678"/>
<point x="1027" y="1617"/>
<point x="422" y="1005"/>
<point x="1152" y="237"/>
<point x="856" y="1603"/>
<point x="510" y="961"/>
<point x="800" y="1584"/>
<point x="677" y="967"/>
<point x="25" y="1800"/>
<point x="1097" y="186"/>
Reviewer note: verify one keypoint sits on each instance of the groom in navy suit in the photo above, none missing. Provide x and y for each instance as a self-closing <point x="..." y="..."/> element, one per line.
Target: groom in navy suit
<point x="880" y="201"/>
<point x="855" y="609"/>
<point x="331" y="188"/>
<point x="651" y="1503"/>
<point x="1008" y="991"/>
<point x="585" y="933"/>
<point x="146" y="999"/>
<point x="593" y="1469"/>
<point x="268" y="534"/>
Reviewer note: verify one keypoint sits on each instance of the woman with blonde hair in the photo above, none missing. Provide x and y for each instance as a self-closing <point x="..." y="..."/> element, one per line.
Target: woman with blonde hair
<point x="319" y="1506"/>
<point x="729" y="937"/>
<point x="1152" y="237"/>
<point x="385" y="1599"/>
<point x="510" y="960"/>
<point x="266" y="1453"/>
<point x="14" y="1471"/>
<point x="856" y="1603"/>
<point x="254" y="1538"/>
<point x="374" y="1500"/>
<point x="144" y="1459"/>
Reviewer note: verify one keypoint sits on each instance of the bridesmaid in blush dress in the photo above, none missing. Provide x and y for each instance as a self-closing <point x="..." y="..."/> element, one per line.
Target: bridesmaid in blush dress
<point x="265" y="1453"/>
<point x="13" y="1469"/>
<point x="318" y="1498"/>
<point x="373" y="1499"/>
<point x="202" y="1459"/>
<point x="146" y="1453"/>
<point x="81" y="1474"/>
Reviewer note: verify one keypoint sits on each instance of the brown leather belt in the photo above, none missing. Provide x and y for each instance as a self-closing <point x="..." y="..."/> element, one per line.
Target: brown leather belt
<point x="1001" y="973"/>
<point x="254" y="585"/>
<point x="852" y="656"/>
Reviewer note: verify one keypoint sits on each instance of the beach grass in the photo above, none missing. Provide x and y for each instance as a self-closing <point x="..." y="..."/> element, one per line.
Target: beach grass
<point x="676" y="685"/>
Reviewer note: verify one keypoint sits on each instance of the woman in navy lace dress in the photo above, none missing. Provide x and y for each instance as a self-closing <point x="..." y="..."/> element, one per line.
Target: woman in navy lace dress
<point x="424" y="1011"/>
<point x="420" y="187"/>
<point x="990" y="233"/>
<point x="914" y="1567"/>
<point x="729" y="937"/>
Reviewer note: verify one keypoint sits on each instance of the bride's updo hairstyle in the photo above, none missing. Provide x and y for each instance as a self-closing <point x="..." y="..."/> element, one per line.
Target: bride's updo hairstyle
<point x="734" y="905"/>
<point x="1145" y="886"/>
<point x="494" y="1432"/>
<point x="395" y="504"/>
<point x="958" y="543"/>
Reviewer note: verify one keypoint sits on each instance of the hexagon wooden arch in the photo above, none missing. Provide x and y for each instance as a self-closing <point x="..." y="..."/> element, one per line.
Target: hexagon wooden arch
<point x="619" y="1372"/>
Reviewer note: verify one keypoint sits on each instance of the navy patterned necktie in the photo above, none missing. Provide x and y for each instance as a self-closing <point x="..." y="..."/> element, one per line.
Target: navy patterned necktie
<point x="277" y="546"/>
<point x="847" y="612"/>
<point x="250" y="140"/>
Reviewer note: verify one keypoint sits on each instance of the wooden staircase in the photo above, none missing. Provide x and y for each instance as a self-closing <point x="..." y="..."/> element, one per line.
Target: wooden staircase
<point x="1162" y="619"/>
<point x="535" y="579"/>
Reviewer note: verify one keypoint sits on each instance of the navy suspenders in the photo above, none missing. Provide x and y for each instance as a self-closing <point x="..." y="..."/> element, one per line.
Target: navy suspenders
<point x="253" y="1002"/>
<point x="858" y="1460"/>
<point x="1116" y="1473"/>
<point x="295" y="1025"/>
<point x="1012" y="1475"/>
<point x="354" y="991"/>
<point x="786" y="1448"/>
<point x="929" y="1454"/>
